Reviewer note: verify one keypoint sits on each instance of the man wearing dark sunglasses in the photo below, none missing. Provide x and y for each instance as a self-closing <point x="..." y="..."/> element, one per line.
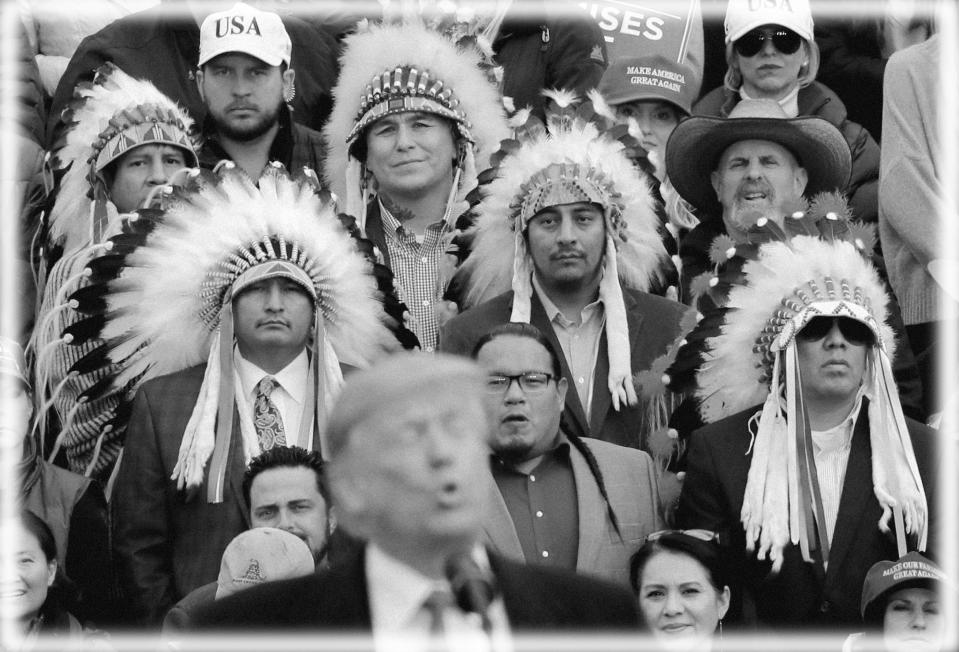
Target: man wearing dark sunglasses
<point x="771" y="54"/>
<point x="558" y="500"/>
<point x="806" y="442"/>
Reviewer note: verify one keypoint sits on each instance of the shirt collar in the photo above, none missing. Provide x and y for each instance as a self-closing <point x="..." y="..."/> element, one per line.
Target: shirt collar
<point x="393" y="225"/>
<point x="397" y="591"/>
<point x="292" y="377"/>
<point x="840" y="435"/>
<point x="552" y="312"/>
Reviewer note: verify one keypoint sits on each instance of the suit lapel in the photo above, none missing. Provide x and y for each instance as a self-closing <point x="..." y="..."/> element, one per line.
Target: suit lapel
<point x="498" y="524"/>
<point x="575" y="415"/>
<point x="855" y="497"/>
<point x="592" y="512"/>
<point x="602" y="401"/>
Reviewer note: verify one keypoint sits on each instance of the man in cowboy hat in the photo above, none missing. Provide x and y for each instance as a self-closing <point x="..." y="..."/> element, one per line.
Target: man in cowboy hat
<point x="758" y="163"/>
<point x="405" y="148"/>
<point x="246" y="280"/>
<point x="808" y="469"/>
<point x="246" y="83"/>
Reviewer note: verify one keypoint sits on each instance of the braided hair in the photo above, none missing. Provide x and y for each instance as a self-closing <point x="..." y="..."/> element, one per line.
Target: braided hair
<point x="521" y="329"/>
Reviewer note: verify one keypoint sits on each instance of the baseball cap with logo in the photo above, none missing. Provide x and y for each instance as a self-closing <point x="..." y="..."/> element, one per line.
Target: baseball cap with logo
<point x="652" y="77"/>
<point x="263" y="554"/>
<point x="242" y="28"/>
<point x="745" y="15"/>
<point x="886" y="577"/>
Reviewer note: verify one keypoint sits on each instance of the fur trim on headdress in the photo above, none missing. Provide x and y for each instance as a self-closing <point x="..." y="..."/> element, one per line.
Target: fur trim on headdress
<point x="107" y="117"/>
<point x="465" y="94"/>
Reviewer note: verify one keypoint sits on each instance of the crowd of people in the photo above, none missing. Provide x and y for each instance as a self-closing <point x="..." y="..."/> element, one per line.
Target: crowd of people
<point x="435" y="323"/>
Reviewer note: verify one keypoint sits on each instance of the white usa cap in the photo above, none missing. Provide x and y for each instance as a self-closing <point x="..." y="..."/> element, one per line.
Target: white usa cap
<point x="745" y="15"/>
<point x="242" y="28"/>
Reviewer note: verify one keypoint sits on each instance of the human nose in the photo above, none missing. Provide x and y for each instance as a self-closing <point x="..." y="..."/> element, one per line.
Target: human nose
<point x="274" y="297"/>
<point x="404" y="137"/>
<point x="514" y="393"/>
<point x="284" y="520"/>
<point x="566" y="231"/>
<point x="835" y="338"/>
<point x="918" y="620"/>
<point x="440" y="444"/>
<point x="673" y="605"/>
<point x="754" y="170"/>
<point x="157" y="173"/>
<point x="768" y="47"/>
<point x="645" y="124"/>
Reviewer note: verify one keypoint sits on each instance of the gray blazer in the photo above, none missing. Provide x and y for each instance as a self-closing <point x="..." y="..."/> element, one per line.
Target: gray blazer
<point x="631" y="483"/>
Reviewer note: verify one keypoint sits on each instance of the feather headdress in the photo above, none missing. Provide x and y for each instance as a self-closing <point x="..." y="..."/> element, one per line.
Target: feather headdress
<point x="394" y="68"/>
<point x="577" y="156"/>
<point x="784" y="283"/>
<point x="108" y="117"/>
<point x="162" y="300"/>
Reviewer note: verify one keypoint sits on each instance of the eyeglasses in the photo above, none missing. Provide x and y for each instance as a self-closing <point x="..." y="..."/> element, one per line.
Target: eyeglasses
<point x="853" y="330"/>
<point x="531" y="382"/>
<point x="784" y="40"/>
<point x="702" y="535"/>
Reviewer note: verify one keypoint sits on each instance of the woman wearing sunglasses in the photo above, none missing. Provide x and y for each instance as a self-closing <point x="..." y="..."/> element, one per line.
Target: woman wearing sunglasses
<point x="679" y="580"/>
<point x="771" y="54"/>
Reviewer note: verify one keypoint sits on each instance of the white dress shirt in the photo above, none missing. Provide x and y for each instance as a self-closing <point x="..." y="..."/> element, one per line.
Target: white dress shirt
<point x="289" y="396"/>
<point x="831" y="454"/>
<point x="402" y="624"/>
<point x="579" y="341"/>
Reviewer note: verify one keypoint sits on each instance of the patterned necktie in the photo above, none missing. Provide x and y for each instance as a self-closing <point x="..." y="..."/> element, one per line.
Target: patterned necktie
<point x="266" y="417"/>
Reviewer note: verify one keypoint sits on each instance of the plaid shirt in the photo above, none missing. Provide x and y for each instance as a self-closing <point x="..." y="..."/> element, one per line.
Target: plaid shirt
<point x="415" y="267"/>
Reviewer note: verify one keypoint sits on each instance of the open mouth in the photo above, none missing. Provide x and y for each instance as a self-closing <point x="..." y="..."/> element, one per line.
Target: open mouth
<point x="515" y="418"/>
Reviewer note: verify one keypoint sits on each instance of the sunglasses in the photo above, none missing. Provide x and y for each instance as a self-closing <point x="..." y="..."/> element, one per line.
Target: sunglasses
<point x="784" y="40"/>
<point x="702" y="535"/>
<point x="854" y="331"/>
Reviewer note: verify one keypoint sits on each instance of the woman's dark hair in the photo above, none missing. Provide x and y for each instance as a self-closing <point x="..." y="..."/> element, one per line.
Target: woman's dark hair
<point x="708" y="553"/>
<point x="63" y="592"/>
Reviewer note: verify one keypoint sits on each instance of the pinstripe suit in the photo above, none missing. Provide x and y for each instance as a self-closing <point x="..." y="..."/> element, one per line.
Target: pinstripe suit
<point x="630" y="480"/>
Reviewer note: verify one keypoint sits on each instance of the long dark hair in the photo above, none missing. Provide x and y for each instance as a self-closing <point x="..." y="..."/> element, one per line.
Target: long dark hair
<point x="708" y="553"/>
<point x="521" y="329"/>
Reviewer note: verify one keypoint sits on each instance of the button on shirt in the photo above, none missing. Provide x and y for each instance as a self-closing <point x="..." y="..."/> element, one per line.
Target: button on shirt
<point x="543" y="506"/>
<point x="415" y="263"/>
<point x="289" y="396"/>
<point x="579" y="341"/>
<point x="400" y="621"/>
<point x="831" y="453"/>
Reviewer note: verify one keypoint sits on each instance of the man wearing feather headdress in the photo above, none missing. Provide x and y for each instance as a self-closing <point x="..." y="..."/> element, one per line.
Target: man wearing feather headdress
<point x="415" y="117"/>
<point x="808" y="468"/>
<point x="233" y="318"/>
<point x="565" y="238"/>
<point x="757" y="163"/>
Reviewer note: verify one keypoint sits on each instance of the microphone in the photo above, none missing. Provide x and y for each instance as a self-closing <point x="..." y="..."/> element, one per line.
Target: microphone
<point x="472" y="586"/>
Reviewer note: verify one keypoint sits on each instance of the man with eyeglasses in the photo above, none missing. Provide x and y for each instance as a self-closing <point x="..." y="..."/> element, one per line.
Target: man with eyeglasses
<point x="559" y="500"/>
<point x="808" y="468"/>
<point x="771" y="54"/>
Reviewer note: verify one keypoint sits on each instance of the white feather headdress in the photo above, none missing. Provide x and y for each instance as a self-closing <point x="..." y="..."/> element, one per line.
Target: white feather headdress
<point x="754" y="359"/>
<point x="408" y="67"/>
<point x="579" y="155"/>
<point x="107" y="117"/>
<point x="170" y="307"/>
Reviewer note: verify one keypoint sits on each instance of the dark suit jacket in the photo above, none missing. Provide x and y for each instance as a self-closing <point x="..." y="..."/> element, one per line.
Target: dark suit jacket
<point x="166" y="544"/>
<point x="336" y="600"/>
<point x="801" y="594"/>
<point x="654" y="322"/>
